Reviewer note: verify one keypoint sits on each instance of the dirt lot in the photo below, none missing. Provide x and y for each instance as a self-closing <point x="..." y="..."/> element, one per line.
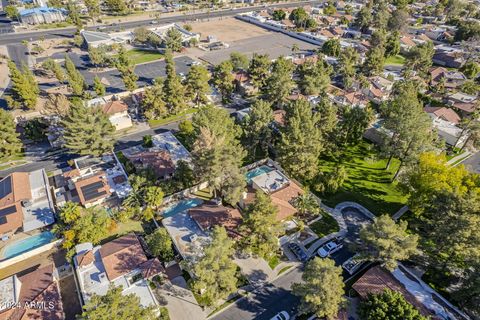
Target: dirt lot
<point x="71" y="304"/>
<point x="227" y="29"/>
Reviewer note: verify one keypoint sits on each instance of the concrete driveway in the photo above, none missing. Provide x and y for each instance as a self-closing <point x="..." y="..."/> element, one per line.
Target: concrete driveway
<point x="180" y="302"/>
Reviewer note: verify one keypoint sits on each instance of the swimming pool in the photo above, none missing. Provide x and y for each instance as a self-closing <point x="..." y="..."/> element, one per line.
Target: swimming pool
<point x="181" y="206"/>
<point x="21" y="246"/>
<point x="256" y="172"/>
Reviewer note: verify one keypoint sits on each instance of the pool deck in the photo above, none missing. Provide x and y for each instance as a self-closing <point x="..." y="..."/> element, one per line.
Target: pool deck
<point x="17" y="237"/>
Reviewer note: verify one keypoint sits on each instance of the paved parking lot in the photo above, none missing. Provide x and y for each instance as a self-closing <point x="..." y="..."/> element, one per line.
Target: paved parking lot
<point x="274" y="44"/>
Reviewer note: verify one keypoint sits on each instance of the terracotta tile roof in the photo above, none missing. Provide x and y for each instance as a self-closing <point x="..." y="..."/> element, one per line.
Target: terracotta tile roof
<point x="377" y="279"/>
<point x="159" y="161"/>
<point x="15" y="189"/>
<point x="407" y="41"/>
<point x="122" y="255"/>
<point x="38" y="286"/>
<point x="92" y="188"/>
<point x="465" y="106"/>
<point x="356" y="98"/>
<point x="423" y="37"/>
<point x="444" y="113"/>
<point x="173" y="271"/>
<point x="241" y="76"/>
<point x="20" y="188"/>
<point x="85" y="258"/>
<point x="115" y="106"/>
<point x="208" y="216"/>
<point x="282" y="198"/>
<point x="151" y="268"/>
<point x="376" y="92"/>
<point x="326" y="33"/>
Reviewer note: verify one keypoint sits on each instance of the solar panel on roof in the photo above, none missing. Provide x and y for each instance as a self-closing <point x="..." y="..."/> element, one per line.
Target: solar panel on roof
<point x="8" y="210"/>
<point x="91" y="191"/>
<point x="5" y="187"/>
<point x="3" y="220"/>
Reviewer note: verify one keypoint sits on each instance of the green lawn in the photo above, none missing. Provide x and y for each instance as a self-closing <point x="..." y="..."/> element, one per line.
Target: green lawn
<point x="324" y="226"/>
<point x="173" y="118"/>
<point x="368" y="183"/>
<point x="142" y="56"/>
<point x="395" y="60"/>
<point x="123" y="228"/>
<point x="273" y="262"/>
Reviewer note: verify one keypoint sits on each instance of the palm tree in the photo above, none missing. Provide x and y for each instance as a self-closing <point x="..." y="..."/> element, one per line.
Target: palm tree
<point x="295" y="48"/>
<point x="306" y="203"/>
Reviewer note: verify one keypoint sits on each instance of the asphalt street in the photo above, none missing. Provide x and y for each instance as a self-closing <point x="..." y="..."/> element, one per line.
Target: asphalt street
<point x="15" y="38"/>
<point x="267" y="301"/>
<point x="473" y="163"/>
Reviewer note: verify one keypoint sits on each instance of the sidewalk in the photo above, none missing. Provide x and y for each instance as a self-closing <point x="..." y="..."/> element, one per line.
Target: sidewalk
<point x="460" y="158"/>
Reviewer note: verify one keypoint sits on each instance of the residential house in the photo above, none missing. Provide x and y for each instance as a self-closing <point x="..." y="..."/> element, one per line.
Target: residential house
<point x="464" y="103"/>
<point x="159" y="162"/>
<point x="281" y="190"/>
<point x="93" y="181"/>
<point x="445" y="120"/>
<point x="406" y="43"/>
<point x="378" y="90"/>
<point x="32" y="295"/>
<point x="117" y="112"/>
<point x="449" y="59"/>
<point x="426" y="300"/>
<point x="440" y="76"/>
<point x="42" y="15"/>
<point x="25" y="202"/>
<point x="209" y="215"/>
<point x="162" y="157"/>
<point x="121" y="262"/>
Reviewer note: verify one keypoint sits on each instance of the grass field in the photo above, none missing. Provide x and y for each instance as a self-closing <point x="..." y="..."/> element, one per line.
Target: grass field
<point x="142" y="56"/>
<point x="368" y="183"/>
<point x="173" y="118"/>
<point x="397" y="60"/>
<point x="324" y="226"/>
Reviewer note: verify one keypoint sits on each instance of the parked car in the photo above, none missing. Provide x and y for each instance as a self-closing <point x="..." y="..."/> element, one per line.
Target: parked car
<point x="353" y="264"/>
<point x="299" y="253"/>
<point x="329" y="248"/>
<point x="282" y="315"/>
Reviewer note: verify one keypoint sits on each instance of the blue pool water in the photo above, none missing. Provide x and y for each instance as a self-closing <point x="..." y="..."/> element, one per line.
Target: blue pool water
<point x="256" y="172"/>
<point x="181" y="206"/>
<point x="27" y="244"/>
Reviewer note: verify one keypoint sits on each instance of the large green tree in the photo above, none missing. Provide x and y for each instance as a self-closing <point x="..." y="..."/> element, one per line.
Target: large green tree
<point x="160" y="244"/>
<point x="153" y="104"/>
<point x="322" y="291"/>
<point x="280" y="83"/>
<point x="10" y="144"/>
<point x="239" y="61"/>
<point x="409" y="128"/>
<point x="355" y="121"/>
<point x="259" y="70"/>
<point x="261" y="228"/>
<point x="332" y="47"/>
<point x="196" y="84"/>
<point x="217" y="153"/>
<point x="419" y="58"/>
<point x="24" y="87"/>
<point x="314" y="77"/>
<point x="118" y="7"/>
<point x="173" y="89"/>
<point x="76" y="81"/>
<point x="346" y="66"/>
<point x="301" y="140"/>
<point x="386" y="242"/>
<point x="257" y="129"/>
<point x="223" y="79"/>
<point x="389" y="305"/>
<point x="87" y="131"/>
<point x="215" y="272"/>
<point x="173" y="40"/>
<point x="116" y="305"/>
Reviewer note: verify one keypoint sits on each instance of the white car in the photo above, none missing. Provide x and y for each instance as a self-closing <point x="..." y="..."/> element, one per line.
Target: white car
<point x="282" y="315"/>
<point x="329" y="248"/>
